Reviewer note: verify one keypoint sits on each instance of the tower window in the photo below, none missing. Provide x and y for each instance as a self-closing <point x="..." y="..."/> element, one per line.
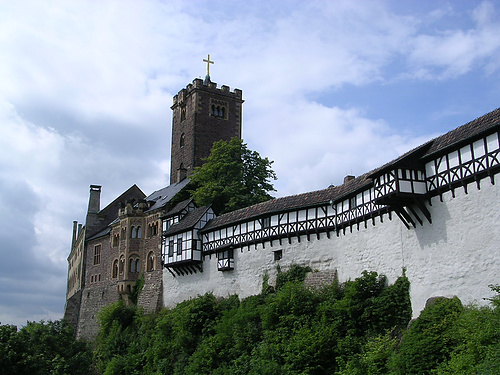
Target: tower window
<point x="182" y="140"/>
<point x="218" y="111"/>
<point x="183" y="112"/>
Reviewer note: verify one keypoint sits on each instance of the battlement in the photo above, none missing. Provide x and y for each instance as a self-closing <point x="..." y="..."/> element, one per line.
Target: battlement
<point x="198" y="84"/>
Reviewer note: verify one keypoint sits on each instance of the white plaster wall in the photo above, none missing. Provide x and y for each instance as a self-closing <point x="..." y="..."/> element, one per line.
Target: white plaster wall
<point x="458" y="254"/>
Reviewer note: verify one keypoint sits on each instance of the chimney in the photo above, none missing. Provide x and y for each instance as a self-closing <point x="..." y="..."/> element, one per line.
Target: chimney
<point x="73" y="241"/>
<point x="348" y="178"/>
<point x="92" y="223"/>
<point x="95" y="199"/>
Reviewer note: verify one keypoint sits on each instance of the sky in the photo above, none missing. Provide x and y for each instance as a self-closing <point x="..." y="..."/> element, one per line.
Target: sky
<point x="331" y="88"/>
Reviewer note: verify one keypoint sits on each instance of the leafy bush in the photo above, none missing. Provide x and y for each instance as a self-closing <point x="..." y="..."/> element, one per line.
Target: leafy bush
<point x="43" y="348"/>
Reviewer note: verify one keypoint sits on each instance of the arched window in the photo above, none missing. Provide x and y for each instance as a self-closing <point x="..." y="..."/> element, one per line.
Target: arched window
<point x="132" y="232"/>
<point x="213" y="110"/>
<point x="223" y="112"/>
<point x="150" y="262"/>
<point x="137" y="265"/>
<point x="115" y="269"/>
<point x="122" y="264"/>
<point x="138" y="232"/>
<point x="132" y="265"/>
<point x="182" y="140"/>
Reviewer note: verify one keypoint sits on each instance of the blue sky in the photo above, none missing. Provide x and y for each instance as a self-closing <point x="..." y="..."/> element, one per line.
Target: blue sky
<point x="330" y="87"/>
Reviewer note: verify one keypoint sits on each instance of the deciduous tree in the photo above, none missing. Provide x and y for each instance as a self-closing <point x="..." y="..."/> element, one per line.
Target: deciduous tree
<point x="232" y="177"/>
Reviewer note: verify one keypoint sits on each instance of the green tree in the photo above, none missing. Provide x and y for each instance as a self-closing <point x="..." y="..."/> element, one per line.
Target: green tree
<point x="43" y="348"/>
<point x="232" y="177"/>
<point x="430" y="339"/>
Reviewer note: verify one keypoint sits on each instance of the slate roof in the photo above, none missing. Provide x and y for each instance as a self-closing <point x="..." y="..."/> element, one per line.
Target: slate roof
<point x="472" y="129"/>
<point x="163" y="196"/>
<point x="102" y="233"/>
<point x="187" y="222"/>
<point x="179" y="207"/>
<point x="293" y="202"/>
<point x="461" y="134"/>
<point x="110" y="212"/>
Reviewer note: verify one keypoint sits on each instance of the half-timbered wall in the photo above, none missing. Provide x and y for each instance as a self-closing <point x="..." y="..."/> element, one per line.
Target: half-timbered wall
<point x="455" y="253"/>
<point x="461" y="166"/>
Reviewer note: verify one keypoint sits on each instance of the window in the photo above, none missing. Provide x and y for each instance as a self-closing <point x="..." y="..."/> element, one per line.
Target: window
<point x="122" y="264"/>
<point x="115" y="269"/>
<point x="278" y="254"/>
<point x="116" y="240"/>
<point x="352" y="203"/>
<point x="134" y="265"/>
<point x="153" y="229"/>
<point x="150" y="262"/>
<point x="182" y="141"/>
<point x="97" y="254"/>
<point x="218" y="111"/>
<point x="183" y="112"/>
<point x="171" y="248"/>
<point x="135" y="232"/>
<point x="225" y="260"/>
<point x="266" y="222"/>
<point x="179" y="246"/>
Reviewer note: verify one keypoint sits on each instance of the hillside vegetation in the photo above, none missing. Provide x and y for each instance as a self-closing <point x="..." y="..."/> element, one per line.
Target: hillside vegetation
<point x="357" y="327"/>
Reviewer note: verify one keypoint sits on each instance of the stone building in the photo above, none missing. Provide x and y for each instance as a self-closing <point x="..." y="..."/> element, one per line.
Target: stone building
<point x="433" y="212"/>
<point x="122" y="242"/>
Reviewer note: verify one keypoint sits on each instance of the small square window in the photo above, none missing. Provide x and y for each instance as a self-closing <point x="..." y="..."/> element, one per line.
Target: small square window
<point x="278" y="254"/>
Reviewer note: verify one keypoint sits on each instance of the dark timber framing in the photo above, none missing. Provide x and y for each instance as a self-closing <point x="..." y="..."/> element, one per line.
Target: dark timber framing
<point x="404" y="186"/>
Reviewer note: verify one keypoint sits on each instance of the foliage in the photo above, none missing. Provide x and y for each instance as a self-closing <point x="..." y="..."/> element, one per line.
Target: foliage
<point x="289" y="329"/>
<point x="354" y="328"/>
<point x="431" y="337"/>
<point x="43" y="348"/>
<point x="295" y="273"/>
<point x="232" y="177"/>
<point x="136" y="290"/>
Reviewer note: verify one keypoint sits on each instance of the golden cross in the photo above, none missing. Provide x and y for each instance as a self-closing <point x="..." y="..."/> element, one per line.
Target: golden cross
<point x="207" y="60"/>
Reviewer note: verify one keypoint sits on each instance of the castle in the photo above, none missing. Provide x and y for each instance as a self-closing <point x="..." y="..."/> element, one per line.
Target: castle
<point x="433" y="212"/>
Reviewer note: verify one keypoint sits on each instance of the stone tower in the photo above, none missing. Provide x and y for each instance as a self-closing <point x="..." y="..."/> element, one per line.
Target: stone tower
<point x="202" y="115"/>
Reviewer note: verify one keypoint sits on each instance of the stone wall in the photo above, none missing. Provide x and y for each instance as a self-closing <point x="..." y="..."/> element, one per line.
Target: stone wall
<point x="458" y="254"/>
<point x="151" y="296"/>
<point x="94" y="298"/>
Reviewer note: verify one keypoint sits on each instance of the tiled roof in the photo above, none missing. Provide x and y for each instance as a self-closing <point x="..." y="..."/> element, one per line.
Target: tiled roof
<point x="321" y="197"/>
<point x="464" y="132"/>
<point x="163" y="196"/>
<point x="179" y="207"/>
<point x="305" y="200"/>
<point x="102" y="233"/>
<point x="188" y="221"/>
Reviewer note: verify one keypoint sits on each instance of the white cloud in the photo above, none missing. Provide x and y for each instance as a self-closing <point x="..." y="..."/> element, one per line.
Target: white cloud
<point x="452" y="52"/>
